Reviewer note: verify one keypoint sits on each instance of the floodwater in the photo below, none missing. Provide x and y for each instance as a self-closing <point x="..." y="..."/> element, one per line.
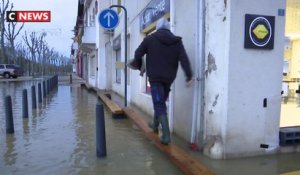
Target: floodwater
<point x="59" y="138"/>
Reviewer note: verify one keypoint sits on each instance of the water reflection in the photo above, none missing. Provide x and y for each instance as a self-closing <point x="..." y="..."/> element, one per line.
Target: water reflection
<point x="59" y="138"/>
<point x="26" y="126"/>
<point x="10" y="154"/>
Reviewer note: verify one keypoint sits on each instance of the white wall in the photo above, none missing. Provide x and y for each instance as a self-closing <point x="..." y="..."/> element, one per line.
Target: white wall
<point x="183" y="98"/>
<point x="236" y="82"/>
<point x="136" y="92"/>
<point x="138" y="97"/>
<point x="236" y="122"/>
<point x="216" y="76"/>
<point x="185" y="27"/>
<point x="104" y="54"/>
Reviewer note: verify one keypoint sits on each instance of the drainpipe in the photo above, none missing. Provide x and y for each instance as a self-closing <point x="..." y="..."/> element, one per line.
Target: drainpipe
<point x="202" y="74"/>
<point x="171" y="95"/>
<point x="198" y="112"/>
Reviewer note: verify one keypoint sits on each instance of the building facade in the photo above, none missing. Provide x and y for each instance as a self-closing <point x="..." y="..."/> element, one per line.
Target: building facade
<point x="223" y="112"/>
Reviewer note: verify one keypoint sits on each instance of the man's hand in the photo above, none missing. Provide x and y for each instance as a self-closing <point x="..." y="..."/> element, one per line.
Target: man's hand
<point x="135" y="64"/>
<point x="189" y="83"/>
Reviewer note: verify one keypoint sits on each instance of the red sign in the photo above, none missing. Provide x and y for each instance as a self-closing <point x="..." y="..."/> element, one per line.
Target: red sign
<point x="28" y="16"/>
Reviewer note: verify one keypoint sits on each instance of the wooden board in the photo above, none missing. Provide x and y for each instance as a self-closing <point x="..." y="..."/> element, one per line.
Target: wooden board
<point x="292" y="173"/>
<point x="114" y="108"/>
<point x="88" y="87"/>
<point x="184" y="161"/>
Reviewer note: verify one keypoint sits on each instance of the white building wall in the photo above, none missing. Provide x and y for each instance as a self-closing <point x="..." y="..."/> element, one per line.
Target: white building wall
<point x="184" y="26"/>
<point x="119" y="31"/>
<point x="89" y="42"/>
<point x="137" y="84"/>
<point x="216" y="76"/>
<point x="239" y="79"/>
<point x="236" y="79"/>
<point x="104" y="54"/>
<point x="136" y="88"/>
<point x="262" y="70"/>
<point x="183" y="96"/>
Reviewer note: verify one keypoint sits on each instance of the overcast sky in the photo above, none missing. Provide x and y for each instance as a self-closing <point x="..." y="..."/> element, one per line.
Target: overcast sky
<point x="63" y="18"/>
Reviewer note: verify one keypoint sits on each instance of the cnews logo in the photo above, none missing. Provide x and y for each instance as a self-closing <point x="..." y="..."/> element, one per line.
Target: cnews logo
<point x="28" y="16"/>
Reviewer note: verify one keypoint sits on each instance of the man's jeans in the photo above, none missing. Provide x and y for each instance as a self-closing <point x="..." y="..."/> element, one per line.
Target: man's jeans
<point x="160" y="92"/>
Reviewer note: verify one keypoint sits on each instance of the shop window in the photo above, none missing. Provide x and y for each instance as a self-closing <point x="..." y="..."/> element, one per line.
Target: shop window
<point x="86" y="19"/>
<point x="92" y="66"/>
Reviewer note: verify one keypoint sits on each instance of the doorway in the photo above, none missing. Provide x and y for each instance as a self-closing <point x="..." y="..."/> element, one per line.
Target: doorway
<point x="290" y="105"/>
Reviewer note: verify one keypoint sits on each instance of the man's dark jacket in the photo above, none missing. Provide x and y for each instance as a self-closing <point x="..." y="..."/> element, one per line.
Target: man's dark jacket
<point x="163" y="52"/>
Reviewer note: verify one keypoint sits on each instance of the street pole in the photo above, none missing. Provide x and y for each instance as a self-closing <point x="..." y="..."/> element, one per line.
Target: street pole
<point x="125" y="11"/>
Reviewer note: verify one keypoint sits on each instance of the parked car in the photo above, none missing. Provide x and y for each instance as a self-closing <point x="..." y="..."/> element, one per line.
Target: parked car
<point x="10" y="70"/>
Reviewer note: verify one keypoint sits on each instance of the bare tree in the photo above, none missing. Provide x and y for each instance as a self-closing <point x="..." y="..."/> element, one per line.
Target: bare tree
<point x="11" y="33"/>
<point x="47" y="55"/>
<point x="31" y="43"/>
<point x="3" y="8"/>
<point x="41" y="45"/>
<point x="21" y="54"/>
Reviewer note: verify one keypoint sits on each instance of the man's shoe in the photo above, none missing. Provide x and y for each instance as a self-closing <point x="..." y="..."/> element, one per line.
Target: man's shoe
<point x="154" y="125"/>
<point x="165" y="138"/>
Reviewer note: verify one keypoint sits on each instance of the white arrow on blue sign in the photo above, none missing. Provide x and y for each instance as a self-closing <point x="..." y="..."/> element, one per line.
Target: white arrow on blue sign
<point x="108" y="19"/>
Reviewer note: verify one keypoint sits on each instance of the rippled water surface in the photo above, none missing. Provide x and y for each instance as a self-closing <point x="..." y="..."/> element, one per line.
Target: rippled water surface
<point x="59" y="138"/>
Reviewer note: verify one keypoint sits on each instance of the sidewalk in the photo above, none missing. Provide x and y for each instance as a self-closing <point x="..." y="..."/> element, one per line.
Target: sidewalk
<point x="284" y="164"/>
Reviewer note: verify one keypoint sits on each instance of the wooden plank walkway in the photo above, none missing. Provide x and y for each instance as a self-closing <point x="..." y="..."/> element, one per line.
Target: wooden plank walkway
<point x="185" y="162"/>
<point x="113" y="107"/>
<point x="88" y="86"/>
<point x="292" y="173"/>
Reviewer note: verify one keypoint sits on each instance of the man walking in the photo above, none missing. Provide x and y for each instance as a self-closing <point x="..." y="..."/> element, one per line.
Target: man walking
<point x="163" y="52"/>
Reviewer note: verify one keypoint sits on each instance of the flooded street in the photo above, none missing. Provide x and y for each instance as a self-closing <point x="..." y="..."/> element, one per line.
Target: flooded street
<point x="59" y="138"/>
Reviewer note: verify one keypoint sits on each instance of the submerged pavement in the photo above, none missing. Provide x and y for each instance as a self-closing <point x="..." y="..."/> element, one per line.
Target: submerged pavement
<point x="273" y="164"/>
<point x="59" y="138"/>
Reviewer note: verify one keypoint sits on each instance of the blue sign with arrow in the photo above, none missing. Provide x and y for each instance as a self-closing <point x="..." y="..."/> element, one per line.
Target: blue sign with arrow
<point x="108" y="19"/>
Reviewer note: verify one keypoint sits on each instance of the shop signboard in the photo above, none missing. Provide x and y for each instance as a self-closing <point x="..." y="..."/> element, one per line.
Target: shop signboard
<point x="152" y="12"/>
<point x="259" y="31"/>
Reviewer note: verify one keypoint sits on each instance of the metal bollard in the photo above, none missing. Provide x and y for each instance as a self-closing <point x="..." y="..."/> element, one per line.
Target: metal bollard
<point x="25" y="104"/>
<point x="48" y="87"/>
<point x="51" y="83"/>
<point x="70" y="78"/>
<point x="40" y="92"/>
<point x="100" y="131"/>
<point x="9" y="116"/>
<point x="44" y="89"/>
<point x="33" y="97"/>
<point x="57" y="81"/>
